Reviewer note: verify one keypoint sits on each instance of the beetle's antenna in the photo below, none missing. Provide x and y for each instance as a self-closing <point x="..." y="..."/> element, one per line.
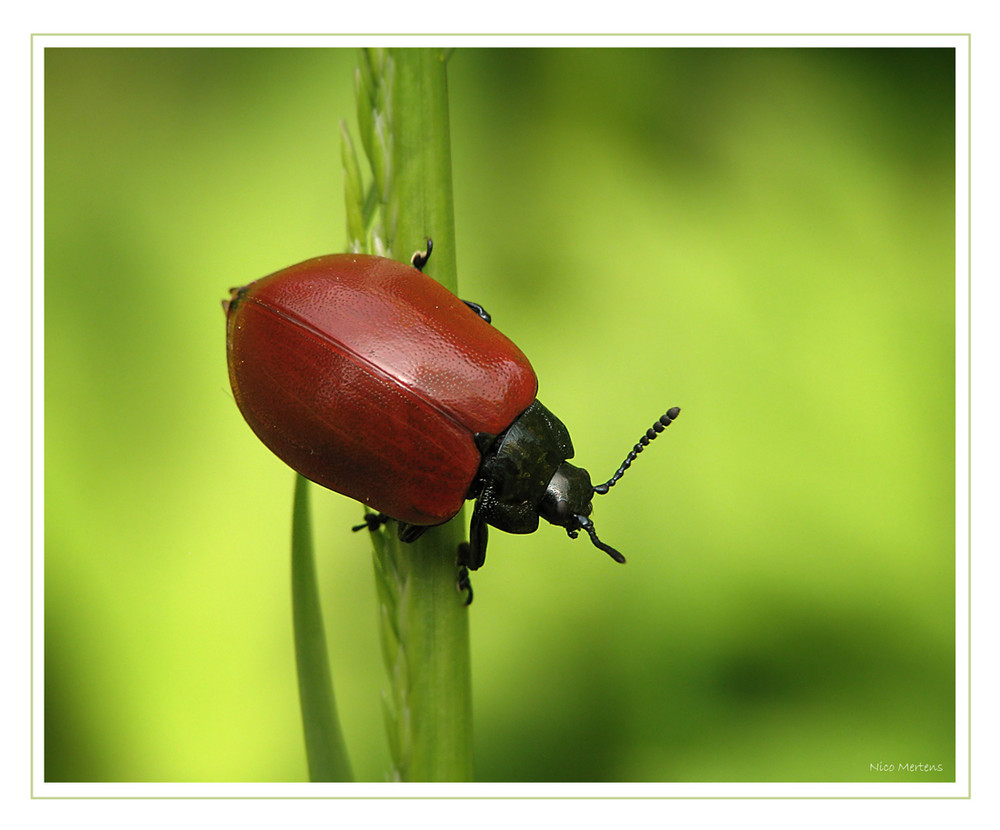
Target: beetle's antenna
<point x="665" y="420"/>
<point x="588" y="525"/>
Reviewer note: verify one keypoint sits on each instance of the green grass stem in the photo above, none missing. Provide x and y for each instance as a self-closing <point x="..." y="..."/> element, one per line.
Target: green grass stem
<point x="403" y="122"/>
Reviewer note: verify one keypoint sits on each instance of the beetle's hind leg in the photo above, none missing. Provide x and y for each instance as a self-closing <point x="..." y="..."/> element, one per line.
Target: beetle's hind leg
<point x="405" y="532"/>
<point x="410" y="533"/>
<point x="373" y="521"/>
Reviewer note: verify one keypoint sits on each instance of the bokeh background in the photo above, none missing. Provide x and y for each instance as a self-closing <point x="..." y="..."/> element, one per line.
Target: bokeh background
<point x="764" y="237"/>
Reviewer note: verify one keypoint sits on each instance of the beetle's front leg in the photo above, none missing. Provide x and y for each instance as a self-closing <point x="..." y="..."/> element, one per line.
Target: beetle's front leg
<point x="464" y="583"/>
<point x="475" y="550"/>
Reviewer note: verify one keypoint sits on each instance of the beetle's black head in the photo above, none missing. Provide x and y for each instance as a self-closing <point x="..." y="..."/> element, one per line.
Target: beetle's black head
<point x="567" y="499"/>
<point x="567" y="502"/>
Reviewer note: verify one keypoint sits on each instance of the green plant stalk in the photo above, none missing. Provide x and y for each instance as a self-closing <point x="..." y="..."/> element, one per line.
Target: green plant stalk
<point x="403" y="120"/>
<point x="420" y="196"/>
<point x="325" y="749"/>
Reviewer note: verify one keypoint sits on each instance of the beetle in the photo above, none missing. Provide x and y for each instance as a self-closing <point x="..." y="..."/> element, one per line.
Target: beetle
<point x="369" y="378"/>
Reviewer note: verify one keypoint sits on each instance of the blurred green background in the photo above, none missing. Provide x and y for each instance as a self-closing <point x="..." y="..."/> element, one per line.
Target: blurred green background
<point x="764" y="237"/>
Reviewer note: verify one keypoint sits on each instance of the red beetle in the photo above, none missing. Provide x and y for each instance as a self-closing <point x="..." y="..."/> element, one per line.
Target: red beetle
<point x="368" y="377"/>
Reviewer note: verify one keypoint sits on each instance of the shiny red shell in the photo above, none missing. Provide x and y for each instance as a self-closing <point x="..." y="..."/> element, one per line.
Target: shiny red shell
<point x="368" y="377"/>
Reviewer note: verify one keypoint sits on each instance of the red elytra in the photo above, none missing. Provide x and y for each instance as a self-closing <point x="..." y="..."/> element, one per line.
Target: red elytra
<point x="367" y="377"/>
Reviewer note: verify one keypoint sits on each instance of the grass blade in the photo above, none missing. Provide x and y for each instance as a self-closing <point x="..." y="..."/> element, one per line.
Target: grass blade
<point x="325" y="748"/>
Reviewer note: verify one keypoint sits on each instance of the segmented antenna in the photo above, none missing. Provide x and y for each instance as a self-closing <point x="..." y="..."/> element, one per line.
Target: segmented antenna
<point x="588" y="525"/>
<point x="665" y="420"/>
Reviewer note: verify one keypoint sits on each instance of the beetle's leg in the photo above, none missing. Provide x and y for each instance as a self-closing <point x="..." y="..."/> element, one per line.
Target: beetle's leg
<point x="405" y="532"/>
<point x="482" y="312"/>
<point x="419" y="261"/>
<point x="410" y="533"/>
<point x="419" y="258"/>
<point x="478" y="534"/>
<point x="464" y="584"/>
<point x="373" y="521"/>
